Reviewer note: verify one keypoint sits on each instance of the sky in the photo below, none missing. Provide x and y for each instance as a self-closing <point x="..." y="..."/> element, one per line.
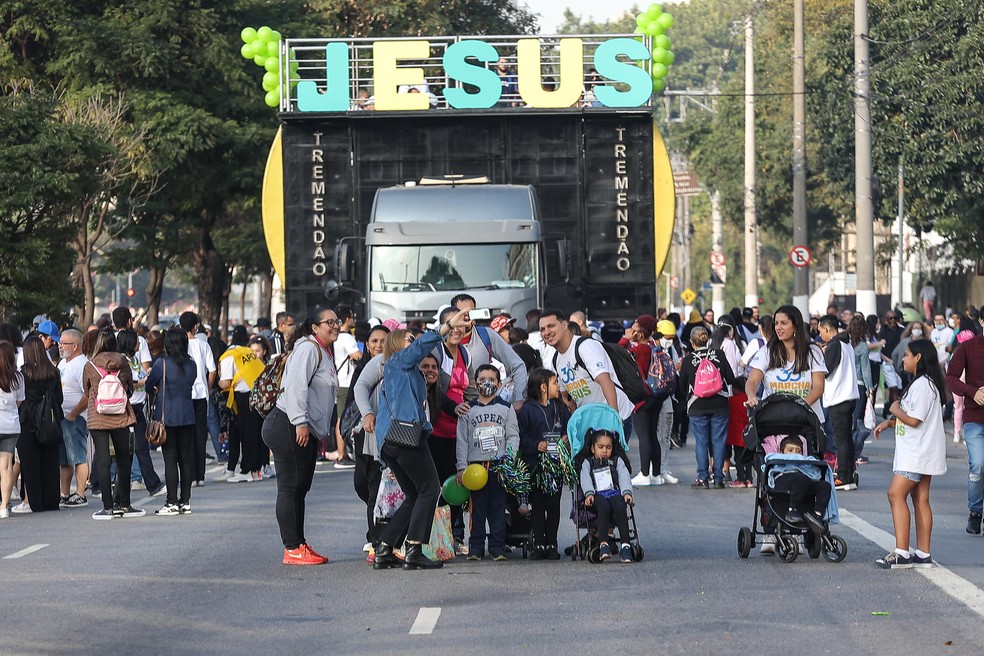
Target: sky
<point x="552" y="11"/>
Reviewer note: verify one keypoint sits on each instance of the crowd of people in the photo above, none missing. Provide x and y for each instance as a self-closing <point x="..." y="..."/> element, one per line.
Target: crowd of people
<point x="421" y="403"/>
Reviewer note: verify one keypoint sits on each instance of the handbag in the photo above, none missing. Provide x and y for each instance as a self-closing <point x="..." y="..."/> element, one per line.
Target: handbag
<point x="869" y="414"/>
<point x="156" y="431"/>
<point x="406" y="434"/>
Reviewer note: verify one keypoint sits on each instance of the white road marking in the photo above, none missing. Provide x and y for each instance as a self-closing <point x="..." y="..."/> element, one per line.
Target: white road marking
<point x="142" y="502"/>
<point x="425" y="622"/>
<point x="216" y="469"/>
<point x="25" y="552"/>
<point x="952" y="584"/>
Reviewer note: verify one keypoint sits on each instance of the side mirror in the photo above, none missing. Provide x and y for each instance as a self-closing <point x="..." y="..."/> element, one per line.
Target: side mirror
<point x="344" y="262"/>
<point x="564" y="259"/>
<point x="332" y="290"/>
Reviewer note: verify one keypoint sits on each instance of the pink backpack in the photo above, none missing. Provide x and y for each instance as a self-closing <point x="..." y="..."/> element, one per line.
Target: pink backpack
<point x="707" y="380"/>
<point x="110" y="393"/>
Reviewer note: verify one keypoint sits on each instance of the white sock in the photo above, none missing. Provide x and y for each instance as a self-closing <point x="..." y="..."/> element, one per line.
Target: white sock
<point x="922" y="554"/>
<point x="902" y="552"/>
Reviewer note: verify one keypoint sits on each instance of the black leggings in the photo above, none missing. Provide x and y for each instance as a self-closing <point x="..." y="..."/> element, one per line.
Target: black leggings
<point x="545" y="517"/>
<point x="743" y="463"/>
<point x="121" y="446"/>
<point x="646" y="422"/>
<point x="805" y="493"/>
<point x="415" y="472"/>
<point x="179" y="463"/>
<point x="39" y="471"/>
<point x="295" y="473"/>
<point x="366" y="479"/>
<point x="609" y="508"/>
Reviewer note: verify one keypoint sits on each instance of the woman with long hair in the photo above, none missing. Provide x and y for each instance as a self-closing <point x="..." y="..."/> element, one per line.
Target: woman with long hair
<point x="11" y="398"/>
<point x="857" y="331"/>
<point x="920" y="454"/>
<point x="39" y="461"/>
<point x="127" y="343"/>
<point x="403" y="395"/>
<point x="789" y="363"/>
<point x="106" y="362"/>
<point x="300" y="420"/>
<point x="171" y="379"/>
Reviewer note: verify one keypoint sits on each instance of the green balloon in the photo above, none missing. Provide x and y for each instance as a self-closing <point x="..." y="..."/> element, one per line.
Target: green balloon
<point x="659" y="55"/>
<point x="659" y="71"/>
<point x="662" y="41"/>
<point x="272" y="65"/>
<point x="248" y="35"/>
<point x="272" y="98"/>
<point x="659" y="85"/>
<point x="276" y="35"/>
<point x="642" y="19"/>
<point x="293" y="66"/>
<point x="669" y="58"/>
<point x="247" y="50"/>
<point x="666" y="21"/>
<point x="269" y="86"/>
<point x="654" y="10"/>
<point x="653" y="28"/>
<point x="273" y="49"/>
<point x="271" y="79"/>
<point x="454" y="493"/>
<point x="264" y="34"/>
<point x="260" y="60"/>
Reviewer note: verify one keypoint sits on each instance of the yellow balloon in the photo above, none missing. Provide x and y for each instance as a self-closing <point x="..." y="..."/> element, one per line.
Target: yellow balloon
<point x="475" y="477"/>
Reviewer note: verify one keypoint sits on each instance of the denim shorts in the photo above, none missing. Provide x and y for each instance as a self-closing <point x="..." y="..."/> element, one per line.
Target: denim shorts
<point x="912" y="476"/>
<point x="74" y="449"/>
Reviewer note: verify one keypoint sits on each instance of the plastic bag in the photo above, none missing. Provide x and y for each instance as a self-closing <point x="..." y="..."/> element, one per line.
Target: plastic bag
<point x="441" y="545"/>
<point x="869" y="415"/>
<point x="389" y="498"/>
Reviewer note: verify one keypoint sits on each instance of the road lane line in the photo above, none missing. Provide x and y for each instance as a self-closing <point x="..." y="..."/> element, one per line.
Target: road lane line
<point x="425" y="622"/>
<point x="25" y="552"/>
<point x="952" y="584"/>
<point x="142" y="502"/>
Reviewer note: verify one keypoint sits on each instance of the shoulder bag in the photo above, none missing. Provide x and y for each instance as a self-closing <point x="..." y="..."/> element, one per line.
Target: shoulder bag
<point x="406" y="434"/>
<point x="156" y="431"/>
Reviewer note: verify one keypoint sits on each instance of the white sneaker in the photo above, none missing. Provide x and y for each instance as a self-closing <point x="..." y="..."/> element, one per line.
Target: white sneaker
<point x="956" y="439"/>
<point x="137" y="485"/>
<point x="768" y="545"/>
<point x="656" y="480"/>
<point x="224" y="476"/>
<point x="669" y="478"/>
<point x="21" y="508"/>
<point x="240" y="478"/>
<point x="366" y="547"/>
<point x="641" y="480"/>
<point x="4" y="513"/>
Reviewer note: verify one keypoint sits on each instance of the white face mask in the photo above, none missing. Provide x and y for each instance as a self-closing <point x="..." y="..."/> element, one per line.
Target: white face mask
<point x="916" y="333"/>
<point x="665" y="343"/>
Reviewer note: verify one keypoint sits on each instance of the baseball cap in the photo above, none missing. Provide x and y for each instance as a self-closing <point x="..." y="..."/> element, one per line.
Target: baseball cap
<point x="435" y="324"/>
<point x="666" y="327"/>
<point x="49" y="328"/>
<point x="502" y="321"/>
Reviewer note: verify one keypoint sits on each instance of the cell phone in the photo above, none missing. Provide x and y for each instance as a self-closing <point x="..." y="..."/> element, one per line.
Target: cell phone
<point x="480" y="313"/>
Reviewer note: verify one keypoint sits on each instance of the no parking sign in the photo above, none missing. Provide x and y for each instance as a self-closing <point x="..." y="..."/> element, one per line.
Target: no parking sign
<point x="800" y="256"/>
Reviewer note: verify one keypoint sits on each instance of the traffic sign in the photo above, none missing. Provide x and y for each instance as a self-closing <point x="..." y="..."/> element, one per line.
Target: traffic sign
<point x="674" y="282"/>
<point x="688" y="296"/>
<point x="800" y="256"/>
<point x="717" y="258"/>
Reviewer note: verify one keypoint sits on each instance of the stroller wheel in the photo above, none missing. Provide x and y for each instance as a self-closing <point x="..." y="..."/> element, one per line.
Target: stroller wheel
<point x="745" y="541"/>
<point x="787" y="548"/>
<point x="834" y="550"/>
<point x="816" y="547"/>
<point x="638" y="553"/>
<point x="593" y="555"/>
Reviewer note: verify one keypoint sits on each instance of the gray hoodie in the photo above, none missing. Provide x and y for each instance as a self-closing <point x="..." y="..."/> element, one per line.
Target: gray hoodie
<point x="493" y="426"/>
<point x="309" y="387"/>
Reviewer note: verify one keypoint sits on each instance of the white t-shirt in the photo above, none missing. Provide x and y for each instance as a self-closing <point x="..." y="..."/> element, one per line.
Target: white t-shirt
<point x="228" y="372"/>
<point x="921" y="449"/>
<point x="204" y="365"/>
<point x="788" y="381"/>
<point x="72" y="386"/>
<point x="753" y="347"/>
<point x="9" y="418"/>
<point x="942" y="338"/>
<point x="143" y="351"/>
<point x="842" y="385"/>
<point x="344" y="346"/>
<point x="579" y="385"/>
<point x="137" y="371"/>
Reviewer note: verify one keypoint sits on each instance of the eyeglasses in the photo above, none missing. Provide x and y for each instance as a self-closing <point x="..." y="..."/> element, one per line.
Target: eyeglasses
<point x="69" y="343"/>
<point x="331" y="323"/>
<point x="410" y="339"/>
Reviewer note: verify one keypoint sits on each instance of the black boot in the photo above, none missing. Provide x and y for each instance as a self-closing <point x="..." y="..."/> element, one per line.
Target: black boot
<point x="385" y="558"/>
<point x="415" y="558"/>
<point x="974" y="523"/>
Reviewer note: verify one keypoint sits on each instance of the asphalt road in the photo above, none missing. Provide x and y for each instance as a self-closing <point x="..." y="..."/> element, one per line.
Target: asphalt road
<point x="212" y="583"/>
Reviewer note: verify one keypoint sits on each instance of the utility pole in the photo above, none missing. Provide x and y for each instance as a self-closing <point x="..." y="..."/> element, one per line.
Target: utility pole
<point x="864" y="218"/>
<point x="717" y="280"/>
<point x="751" y="227"/>
<point x="801" y="281"/>
<point x="901" y="219"/>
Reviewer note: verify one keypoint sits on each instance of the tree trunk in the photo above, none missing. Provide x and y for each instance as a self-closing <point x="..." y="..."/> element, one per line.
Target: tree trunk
<point x="225" y="305"/>
<point x="82" y="277"/>
<point x="266" y="294"/>
<point x="242" y="303"/>
<point x="210" y="272"/>
<point x="155" y="290"/>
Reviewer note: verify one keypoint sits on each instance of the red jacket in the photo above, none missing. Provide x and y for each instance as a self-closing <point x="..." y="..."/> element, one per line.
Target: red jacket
<point x="968" y="361"/>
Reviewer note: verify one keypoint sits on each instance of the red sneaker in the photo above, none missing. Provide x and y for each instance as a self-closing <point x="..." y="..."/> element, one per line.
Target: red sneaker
<point x="314" y="553"/>
<point x="301" y="556"/>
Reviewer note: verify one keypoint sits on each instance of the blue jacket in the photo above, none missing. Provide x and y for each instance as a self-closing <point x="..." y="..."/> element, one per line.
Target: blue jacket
<point x="403" y="389"/>
<point x="176" y="400"/>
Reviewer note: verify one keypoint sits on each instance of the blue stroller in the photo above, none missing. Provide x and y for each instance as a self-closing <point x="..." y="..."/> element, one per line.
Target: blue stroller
<point x="775" y="417"/>
<point x="584" y="420"/>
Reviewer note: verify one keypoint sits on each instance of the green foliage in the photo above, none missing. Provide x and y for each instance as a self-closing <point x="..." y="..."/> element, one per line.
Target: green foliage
<point x="378" y="18"/>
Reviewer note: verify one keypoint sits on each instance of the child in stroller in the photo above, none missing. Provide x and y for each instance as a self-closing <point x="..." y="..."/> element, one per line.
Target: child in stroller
<point x="607" y="488"/>
<point x="786" y="437"/>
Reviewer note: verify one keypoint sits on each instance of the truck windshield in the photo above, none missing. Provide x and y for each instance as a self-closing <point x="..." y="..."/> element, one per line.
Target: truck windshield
<point x="438" y="268"/>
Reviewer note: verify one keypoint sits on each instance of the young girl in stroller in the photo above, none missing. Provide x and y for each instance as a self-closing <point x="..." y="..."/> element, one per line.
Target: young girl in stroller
<point x="607" y="488"/>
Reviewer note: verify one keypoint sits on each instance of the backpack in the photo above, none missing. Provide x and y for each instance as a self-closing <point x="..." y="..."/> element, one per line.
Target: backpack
<point x="266" y="387"/>
<point x="47" y="421"/>
<point x="707" y="380"/>
<point x="111" y="396"/>
<point x="624" y="364"/>
<point x="662" y="378"/>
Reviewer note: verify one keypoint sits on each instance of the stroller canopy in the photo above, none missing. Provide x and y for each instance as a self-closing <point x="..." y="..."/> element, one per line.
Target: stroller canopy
<point x="590" y="417"/>
<point x="784" y="414"/>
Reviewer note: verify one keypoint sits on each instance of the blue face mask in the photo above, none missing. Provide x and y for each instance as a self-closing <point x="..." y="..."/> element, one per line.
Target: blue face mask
<point x="487" y="387"/>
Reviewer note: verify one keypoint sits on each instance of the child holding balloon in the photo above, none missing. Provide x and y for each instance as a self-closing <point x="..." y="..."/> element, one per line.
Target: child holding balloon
<point x="485" y="433"/>
<point x="542" y="426"/>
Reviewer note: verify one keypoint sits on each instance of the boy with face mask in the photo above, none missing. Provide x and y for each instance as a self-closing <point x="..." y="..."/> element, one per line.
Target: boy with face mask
<point x="487" y="432"/>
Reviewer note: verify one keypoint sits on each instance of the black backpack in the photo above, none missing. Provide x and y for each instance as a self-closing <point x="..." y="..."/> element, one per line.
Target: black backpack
<point x="47" y="418"/>
<point x="626" y="369"/>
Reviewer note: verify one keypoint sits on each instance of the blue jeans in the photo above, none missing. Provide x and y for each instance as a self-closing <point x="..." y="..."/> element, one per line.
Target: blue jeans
<point x="860" y="432"/>
<point x="212" y="422"/>
<point x="974" y="437"/>
<point x="710" y="430"/>
<point x="488" y="505"/>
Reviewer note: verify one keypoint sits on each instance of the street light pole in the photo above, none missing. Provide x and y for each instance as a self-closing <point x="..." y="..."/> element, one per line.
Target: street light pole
<point x="864" y="212"/>
<point x="801" y="281"/>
